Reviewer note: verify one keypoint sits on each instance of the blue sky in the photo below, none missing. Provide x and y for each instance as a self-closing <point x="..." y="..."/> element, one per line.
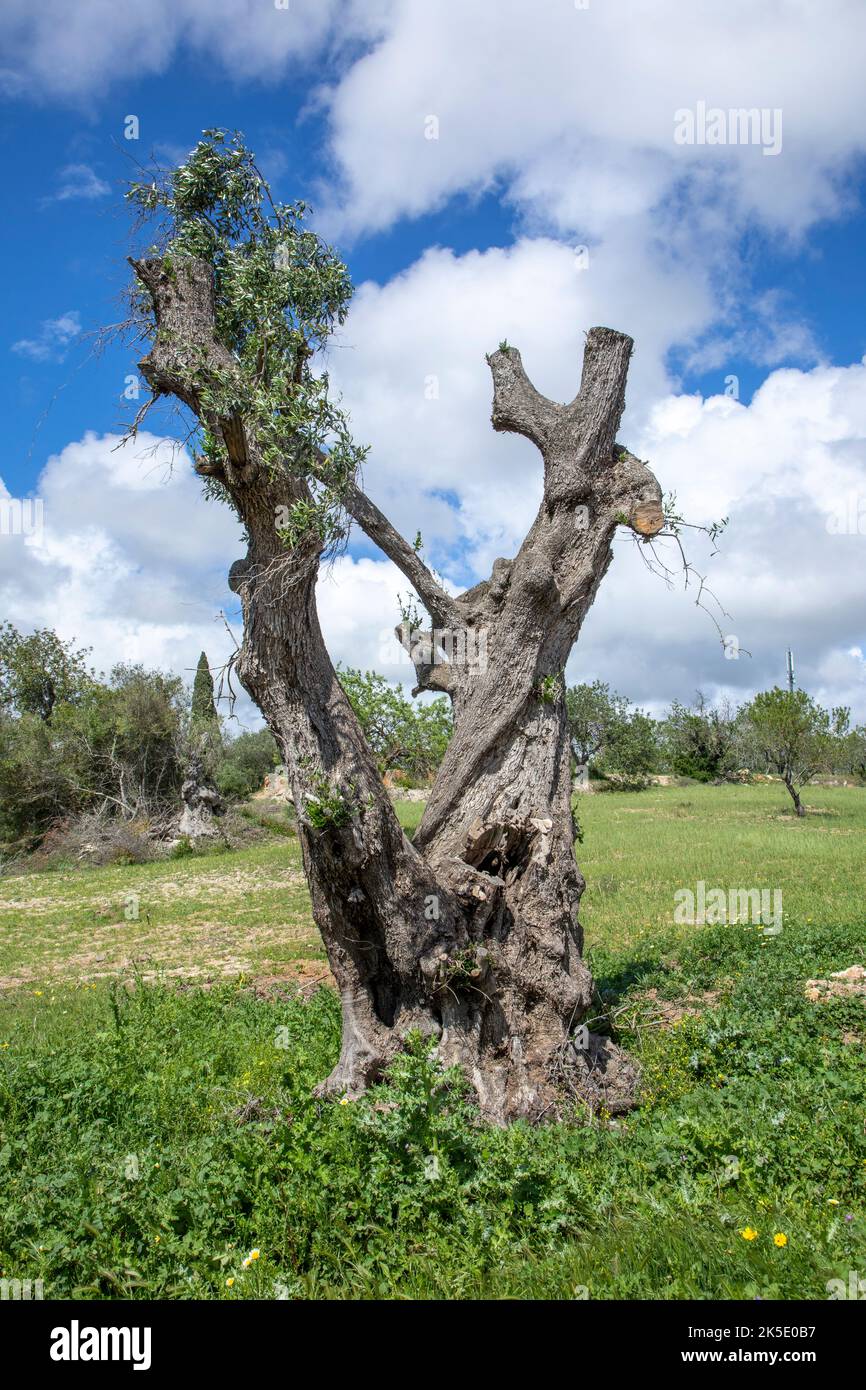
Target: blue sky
<point x="722" y="262"/>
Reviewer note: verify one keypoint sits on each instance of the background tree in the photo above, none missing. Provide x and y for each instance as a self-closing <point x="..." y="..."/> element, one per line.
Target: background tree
<point x="852" y="752"/>
<point x="245" y="763"/>
<point x="592" y="712"/>
<point x="607" y="734"/>
<point x="203" y="709"/>
<point x="146" y="711"/>
<point x="701" y="740"/>
<point x="201" y="739"/>
<point x="200" y="753"/>
<point x="795" y="735"/>
<point x="109" y="745"/>
<point x="630" y="754"/>
<point x="400" y="733"/>
<point x="470" y="932"/>
<point x="33" y="789"/>
<point x="39" y="670"/>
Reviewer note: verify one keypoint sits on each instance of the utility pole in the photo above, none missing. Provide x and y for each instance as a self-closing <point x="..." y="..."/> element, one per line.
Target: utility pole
<point x="790" y="670"/>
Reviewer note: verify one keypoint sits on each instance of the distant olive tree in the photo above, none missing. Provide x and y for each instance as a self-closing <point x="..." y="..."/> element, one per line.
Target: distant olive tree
<point x="401" y="733"/>
<point x="245" y="762"/>
<point x="796" y="736"/>
<point x="72" y="742"/>
<point x="852" y="752"/>
<point x="39" y="670"/>
<point x="592" y="711"/>
<point x="618" y="741"/>
<point x="631" y="754"/>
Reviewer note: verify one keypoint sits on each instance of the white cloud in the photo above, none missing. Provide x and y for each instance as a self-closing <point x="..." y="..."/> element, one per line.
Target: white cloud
<point x="131" y="560"/>
<point x="53" y="339"/>
<point x="571" y="112"/>
<point x="790" y="472"/>
<point x="359" y="607"/>
<point x="58" y="50"/>
<point x="80" y="181"/>
<point x="411" y="365"/>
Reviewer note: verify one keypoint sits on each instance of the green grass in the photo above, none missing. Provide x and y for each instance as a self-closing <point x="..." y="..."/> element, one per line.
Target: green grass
<point x="150" y="1139"/>
<point x="203" y="916"/>
<point x="639" y="846"/>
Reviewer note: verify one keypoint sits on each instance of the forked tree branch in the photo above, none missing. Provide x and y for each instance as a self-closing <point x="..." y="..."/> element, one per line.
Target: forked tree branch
<point x="518" y="408"/>
<point x="582" y="462"/>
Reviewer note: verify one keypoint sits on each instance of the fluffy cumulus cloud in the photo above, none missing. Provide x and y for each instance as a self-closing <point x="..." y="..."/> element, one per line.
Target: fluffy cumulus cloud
<point x="411" y="364"/>
<point x="568" y="109"/>
<point x="789" y="471"/>
<point x="129" y="558"/>
<point x="572" y="110"/>
<point x="359" y="606"/>
<point x="570" y="115"/>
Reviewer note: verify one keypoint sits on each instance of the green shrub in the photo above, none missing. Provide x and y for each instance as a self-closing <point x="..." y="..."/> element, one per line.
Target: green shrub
<point x="245" y="763"/>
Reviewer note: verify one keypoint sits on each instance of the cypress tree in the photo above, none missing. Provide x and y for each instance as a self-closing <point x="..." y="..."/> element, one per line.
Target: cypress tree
<point x="203" y="707"/>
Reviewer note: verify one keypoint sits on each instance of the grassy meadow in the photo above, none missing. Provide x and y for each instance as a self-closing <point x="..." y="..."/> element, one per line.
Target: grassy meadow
<point x="161" y="1141"/>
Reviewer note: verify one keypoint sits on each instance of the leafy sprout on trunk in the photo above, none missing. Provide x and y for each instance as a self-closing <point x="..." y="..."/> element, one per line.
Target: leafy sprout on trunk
<point x="279" y="294"/>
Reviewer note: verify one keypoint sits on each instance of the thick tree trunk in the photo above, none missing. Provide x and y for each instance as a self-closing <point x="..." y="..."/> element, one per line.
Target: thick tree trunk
<point x="471" y="933"/>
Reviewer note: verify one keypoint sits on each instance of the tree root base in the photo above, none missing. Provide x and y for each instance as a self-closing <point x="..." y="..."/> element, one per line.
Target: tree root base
<point x="601" y="1076"/>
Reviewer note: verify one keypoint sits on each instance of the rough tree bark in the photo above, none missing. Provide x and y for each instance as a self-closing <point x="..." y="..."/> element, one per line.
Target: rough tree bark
<point x="470" y="933"/>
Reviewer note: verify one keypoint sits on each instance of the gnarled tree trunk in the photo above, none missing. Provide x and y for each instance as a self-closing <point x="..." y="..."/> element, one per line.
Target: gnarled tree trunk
<point x="470" y="933"/>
